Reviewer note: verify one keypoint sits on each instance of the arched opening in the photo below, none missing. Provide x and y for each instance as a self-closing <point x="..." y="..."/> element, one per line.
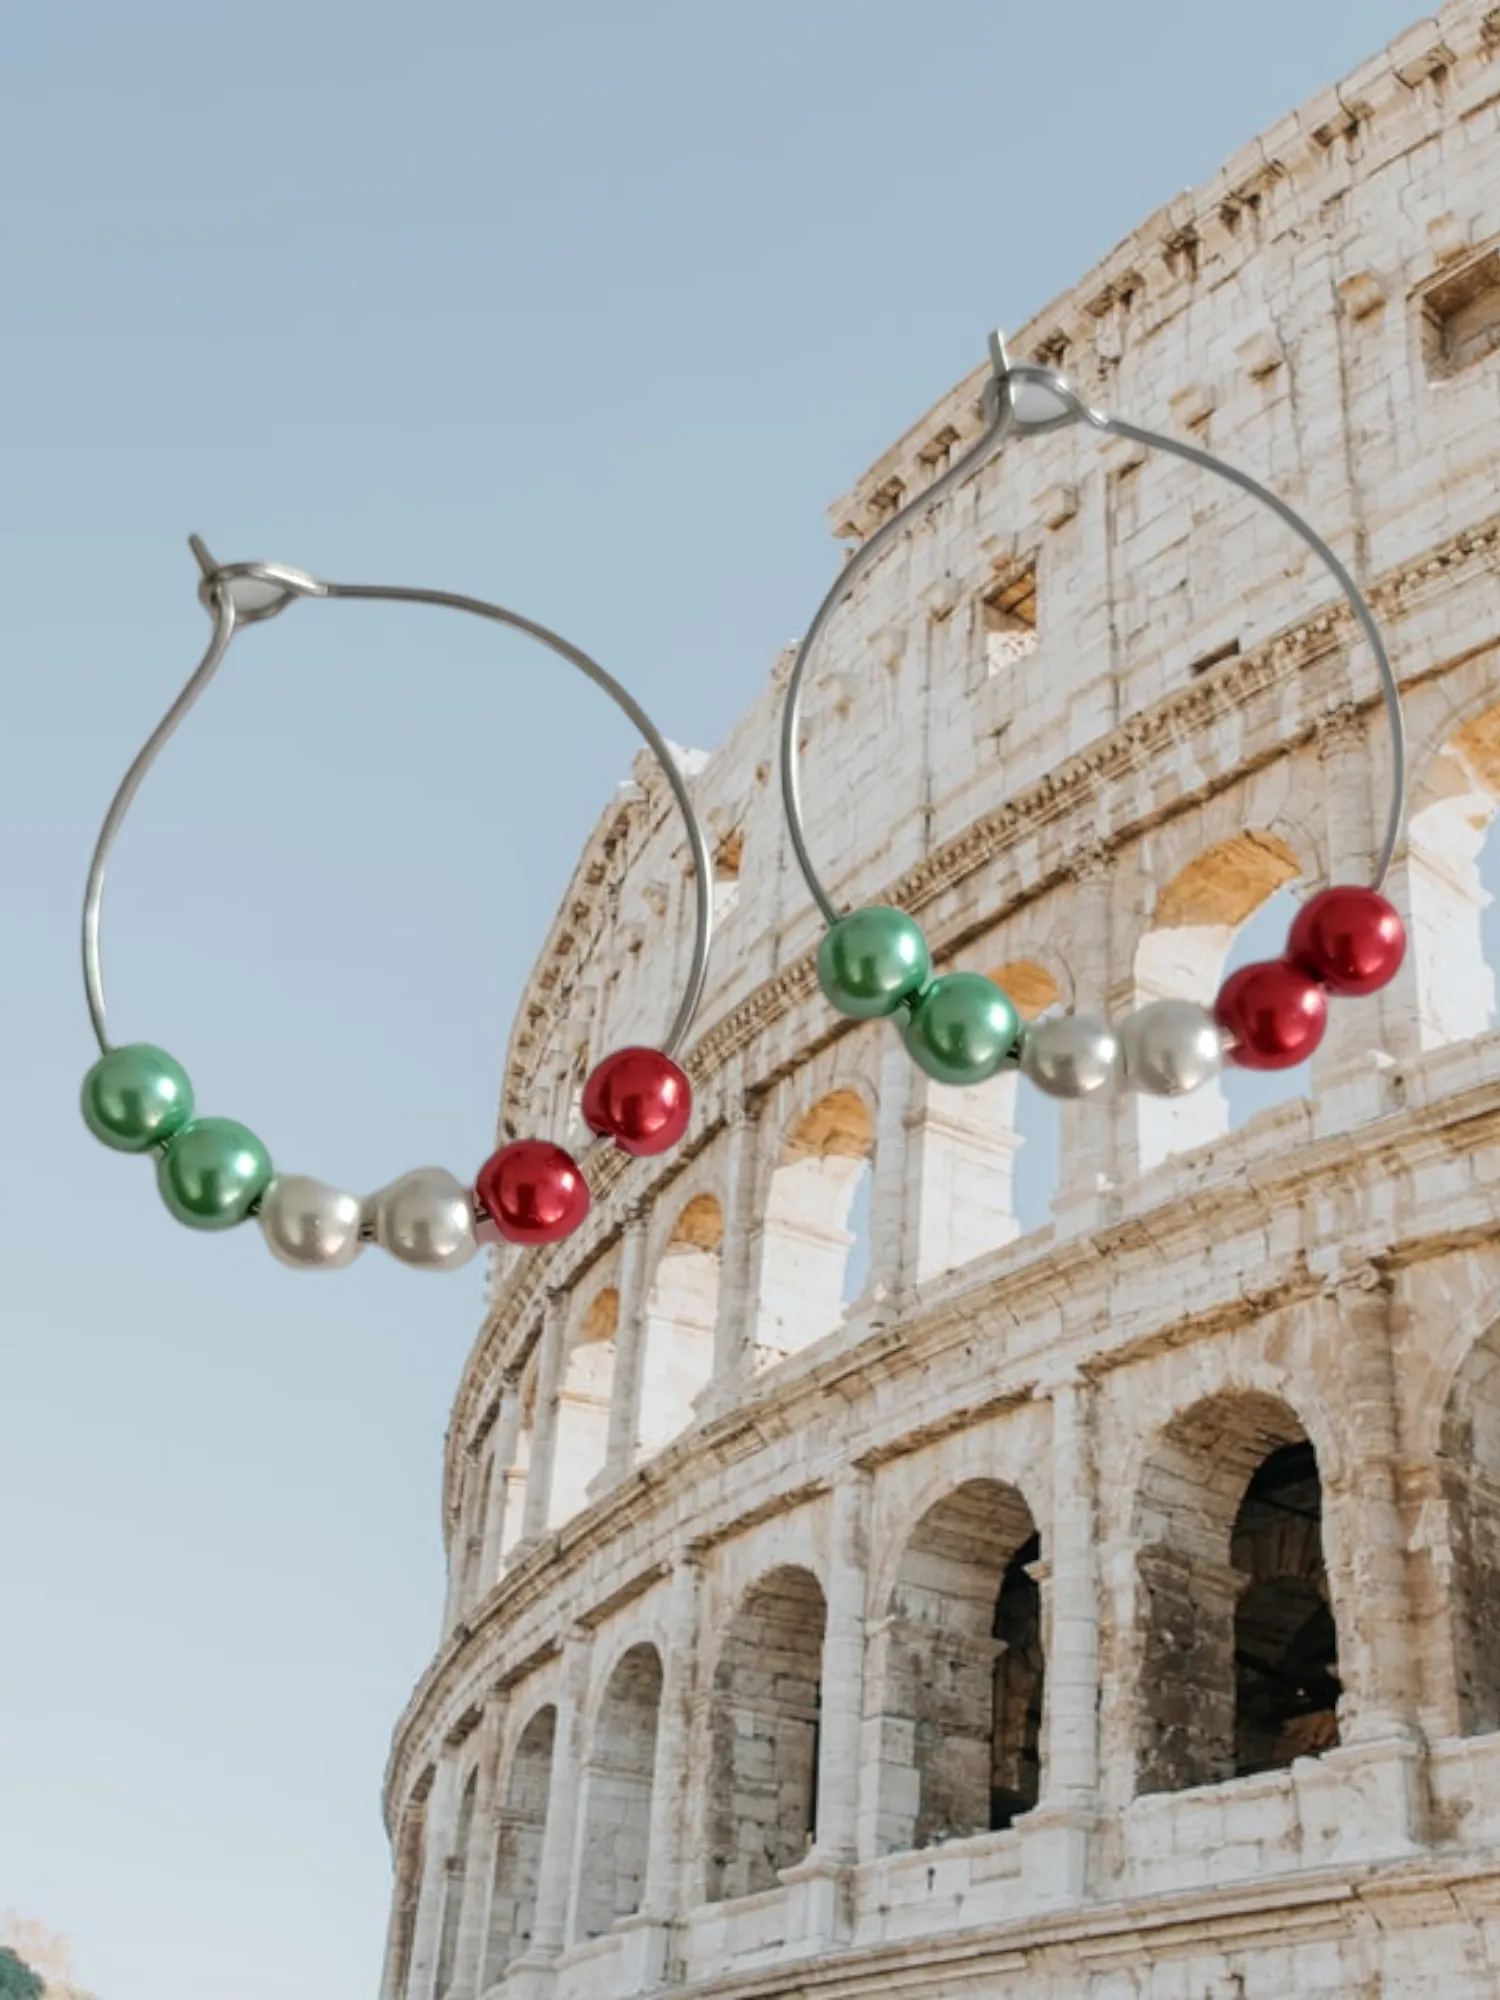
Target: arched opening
<point x="810" y="1239"/>
<point x="1185" y="955"/>
<point x="962" y="1148"/>
<point x="1031" y="1117"/>
<point x="518" y="1849"/>
<point x="960" y="1669"/>
<point x="1469" y="1459"/>
<point x="763" y="1791"/>
<point x="1238" y="1648"/>
<point x="1285" y="1642"/>
<point x="680" y="1314"/>
<point x="1451" y="869"/>
<point x="583" y="1403"/>
<point x="453" y="1885"/>
<point x="617" y="1795"/>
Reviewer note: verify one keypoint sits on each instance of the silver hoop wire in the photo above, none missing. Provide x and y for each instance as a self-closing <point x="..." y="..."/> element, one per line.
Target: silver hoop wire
<point x="1053" y="405"/>
<point x="264" y="589"/>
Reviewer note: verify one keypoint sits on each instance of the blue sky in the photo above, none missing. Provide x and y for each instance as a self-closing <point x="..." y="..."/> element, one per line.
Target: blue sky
<point x="590" y="308"/>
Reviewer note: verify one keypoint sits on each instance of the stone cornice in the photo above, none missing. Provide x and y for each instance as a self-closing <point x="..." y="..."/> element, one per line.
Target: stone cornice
<point x="1322" y="1904"/>
<point x="991" y="1298"/>
<point x="1201" y="238"/>
<point x="1309" y="652"/>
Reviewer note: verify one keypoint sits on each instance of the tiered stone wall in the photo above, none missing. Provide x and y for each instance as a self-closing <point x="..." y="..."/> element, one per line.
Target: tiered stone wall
<point x="1104" y="1608"/>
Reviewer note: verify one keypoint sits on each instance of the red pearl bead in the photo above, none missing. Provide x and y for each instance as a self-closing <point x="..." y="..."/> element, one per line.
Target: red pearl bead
<point x="640" y="1099"/>
<point x="1275" y="1012"/>
<point x="1350" y="938"/>
<point x="533" y="1192"/>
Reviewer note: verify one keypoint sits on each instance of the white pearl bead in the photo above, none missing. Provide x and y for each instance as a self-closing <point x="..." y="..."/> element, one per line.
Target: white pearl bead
<point x="311" y="1226"/>
<point x="1171" y="1047"/>
<point x="1070" y="1055"/>
<point x="426" y="1219"/>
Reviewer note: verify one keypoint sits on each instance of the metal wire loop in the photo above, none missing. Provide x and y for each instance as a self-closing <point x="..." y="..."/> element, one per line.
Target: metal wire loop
<point x="237" y="594"/>
<point x="1024" y="399"/>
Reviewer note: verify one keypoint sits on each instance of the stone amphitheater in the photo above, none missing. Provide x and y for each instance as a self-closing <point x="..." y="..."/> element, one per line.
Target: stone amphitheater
<point x="897" y="1548"/>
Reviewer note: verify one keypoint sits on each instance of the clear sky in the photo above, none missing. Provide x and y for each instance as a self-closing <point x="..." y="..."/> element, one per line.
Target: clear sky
<point x="589" y="307"/>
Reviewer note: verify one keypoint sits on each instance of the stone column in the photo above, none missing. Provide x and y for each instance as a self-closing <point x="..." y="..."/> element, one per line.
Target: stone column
<point x="945" y="1169"/>
<point x="458" y="1545"/>
<point x="1363" y="1036"/>
<point x="442" y="1806"/>
<point x="821" y="1913"/>
<point x="648" y="1935"/>
<point x="507" y="1441"/>
<point x="739" y="1269"/>
<point x="842" y="1699"/>
<point x="1090" y="1129"/>
<point x="544" y="1435"/>
<point x="406" y="1891"/>
<point x="479" y="1863"/>
<point x="532" y="1975"/>
<point x="1058" y="1832"/>
<point x="630" y="1356"/>
<point x="893" y="1257"/>
<point x="1376" y="1650"/>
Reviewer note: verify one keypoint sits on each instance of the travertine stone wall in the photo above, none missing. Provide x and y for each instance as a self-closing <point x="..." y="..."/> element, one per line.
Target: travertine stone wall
<point x="1091" y="1610"/>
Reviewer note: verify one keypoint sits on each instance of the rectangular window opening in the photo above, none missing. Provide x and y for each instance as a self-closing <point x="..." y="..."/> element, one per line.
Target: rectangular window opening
<point x="1009" y="618"/>
<point x="1216" y="658"/>
<point x="1461" y="318"/>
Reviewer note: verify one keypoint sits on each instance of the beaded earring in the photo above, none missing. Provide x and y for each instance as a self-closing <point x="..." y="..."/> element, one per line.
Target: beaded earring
<point x="214" y="1172"/>
<point x="961" y="1027"/>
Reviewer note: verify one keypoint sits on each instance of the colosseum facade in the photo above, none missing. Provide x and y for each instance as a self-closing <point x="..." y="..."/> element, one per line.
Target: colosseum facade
<point x="901" y="1545"/>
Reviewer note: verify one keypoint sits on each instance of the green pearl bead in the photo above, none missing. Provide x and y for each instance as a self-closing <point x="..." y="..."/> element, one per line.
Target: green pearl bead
<point x="962" y="1029"/>
<point x="134" y="1098"/>
<point x="213" y="1173"/>
<point x="871" y="961"/>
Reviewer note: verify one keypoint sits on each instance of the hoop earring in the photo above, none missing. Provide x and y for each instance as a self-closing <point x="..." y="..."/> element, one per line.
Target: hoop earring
<point x="214" y="1173"/>
<point x="961" y="1027"/>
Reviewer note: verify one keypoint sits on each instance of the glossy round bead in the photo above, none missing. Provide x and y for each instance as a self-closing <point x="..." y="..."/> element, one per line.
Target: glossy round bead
<point x="1071" y="1055"/>
<point x="962" y="1028"/>
<point x="309" y="1225"/>
<point x="1350" y="938"/>
<point x="871" y="961"/>
<point x="213" y="1173"/>
<point x="426" y="1219"/>
<point x="1170" y="1047"/>
<point x="1274" y="1013"/>
<point x="533" y="1192"/>
<point x="640" y="1099"/>
<point x="136" y="1097"/>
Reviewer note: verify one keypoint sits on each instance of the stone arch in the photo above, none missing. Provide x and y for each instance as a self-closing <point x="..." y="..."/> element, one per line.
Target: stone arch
<point x="682" y="1308"/>
<point x="810" y="1231"/>
<point x="1238" y="1644"/>
<point x="518" y="1847"/>
<point x="1040" y="984"/>
<point x="957" y="1672"/>
<point x="1446" y="875"/>
<point x="766" y="1695"/>
<point x="1236" y="891"/>
<point x="584" y="1395"/>
<point x="617" y="1781"/>
<point x="454" y="1879"/>
<point x="1469" y="1470"/>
